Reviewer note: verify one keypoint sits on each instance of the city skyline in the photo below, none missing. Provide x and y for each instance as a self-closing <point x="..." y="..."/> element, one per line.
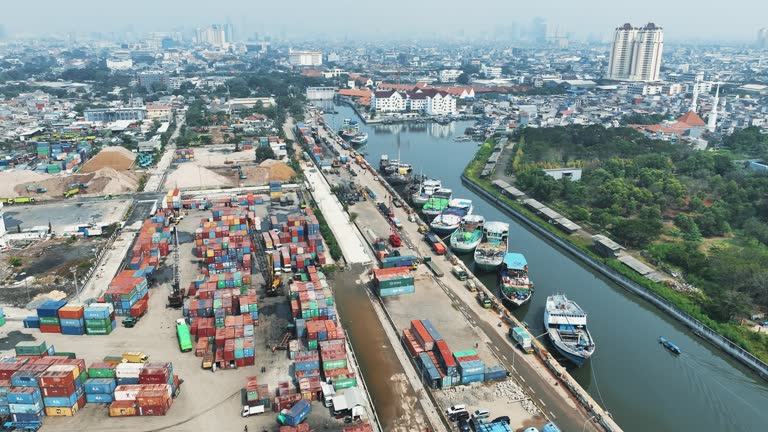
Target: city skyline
<point x="393" y="20"/>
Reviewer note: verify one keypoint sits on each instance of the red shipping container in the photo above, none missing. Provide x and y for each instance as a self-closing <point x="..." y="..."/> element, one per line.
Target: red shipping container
<point x="139" y="308"/>
<point x="71" y="312"/>
<point x="157" y="410"/>
<point x="48" y="328"/>
<point x="81" y="401"/>
<point x="65" y="391"/>
<point x="56" y="379"/>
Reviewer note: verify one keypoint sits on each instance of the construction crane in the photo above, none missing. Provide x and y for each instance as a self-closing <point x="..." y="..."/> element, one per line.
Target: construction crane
<point x="176" y="297"/>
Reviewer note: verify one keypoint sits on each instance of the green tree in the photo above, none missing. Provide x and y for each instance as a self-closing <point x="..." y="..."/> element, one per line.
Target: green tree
<point x="263" y="153"/>
<point x="15" y="261"/>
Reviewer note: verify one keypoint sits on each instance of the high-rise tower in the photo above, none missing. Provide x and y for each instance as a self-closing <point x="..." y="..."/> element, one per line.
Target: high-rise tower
<point x="712" y="121"/>
<point x="636" y="53"/>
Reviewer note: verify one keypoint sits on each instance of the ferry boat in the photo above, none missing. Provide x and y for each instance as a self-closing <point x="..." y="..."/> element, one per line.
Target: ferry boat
<point x="426" y="189"/>
<point x="490" y="253"/>
<point x="514" y="284"/>
<point x="359" y="139"/>
<point x="349" y="129"/>
<point x="566" y="325"/>
<point x="469" y="234"/>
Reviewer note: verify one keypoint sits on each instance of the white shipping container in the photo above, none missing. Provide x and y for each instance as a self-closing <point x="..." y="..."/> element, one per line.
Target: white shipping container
<point x="127" y="392"/>
<point x="102" y="305"/>
<point x="71" y="369"/>
<point x="128" y="370"/>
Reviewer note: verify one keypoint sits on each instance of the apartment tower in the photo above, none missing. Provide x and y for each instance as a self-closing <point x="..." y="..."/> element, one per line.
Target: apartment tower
<point x="636" y="53"/>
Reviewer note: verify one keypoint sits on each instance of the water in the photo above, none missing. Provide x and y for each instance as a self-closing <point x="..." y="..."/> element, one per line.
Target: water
<point x="640" y="383"/>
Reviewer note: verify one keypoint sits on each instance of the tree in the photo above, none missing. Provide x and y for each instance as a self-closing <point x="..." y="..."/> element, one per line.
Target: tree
<point x="463" y="79"/>
<point x="15" y="261"/>
<point x="206" y="139"/>
<point x="263" y="153"/>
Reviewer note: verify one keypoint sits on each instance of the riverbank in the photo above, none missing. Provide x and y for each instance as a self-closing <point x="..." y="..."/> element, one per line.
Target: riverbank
<point x="657" y="294"/>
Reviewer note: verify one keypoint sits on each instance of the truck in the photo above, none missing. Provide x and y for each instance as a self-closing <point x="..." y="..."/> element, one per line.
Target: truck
<point x="182" y="334"/>
<point x="328" y="393"/>
<point x="522" y="338"/>
<point x="459" y="273"/>
<point x="432" y="266"/>
<point x="383" y="208"/>
<point x="135" y="357"/>
<point x="484" y="300"/>
<point x="400" y="261"/>
<point x="434" y="241"/>
<point x="252" y="410"/>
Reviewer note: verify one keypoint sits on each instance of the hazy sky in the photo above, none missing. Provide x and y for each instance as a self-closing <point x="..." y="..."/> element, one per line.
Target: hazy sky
<point x="681" y="19"/>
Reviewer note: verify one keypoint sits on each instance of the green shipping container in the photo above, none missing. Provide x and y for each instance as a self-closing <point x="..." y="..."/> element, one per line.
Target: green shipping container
<point x="394" y="283"/>
<point x="69" y="355"/>
<point x="101" y="373"/>
<point x="2" y="321"/>
<point x="345" y="383"/>
<point x="465" y="353"/>
<point x="312" y="344"/>
<point x="334" y="364"/>
<point x="49" y="321"/>
<point x="252" y="395"/>
<point x="96" y="323"/>
<point x="98" y="331"/>
<point x="31" y="348"/>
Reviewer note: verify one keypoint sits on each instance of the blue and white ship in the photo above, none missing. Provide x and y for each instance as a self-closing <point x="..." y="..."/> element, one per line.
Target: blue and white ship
<point x="566" y="325"/>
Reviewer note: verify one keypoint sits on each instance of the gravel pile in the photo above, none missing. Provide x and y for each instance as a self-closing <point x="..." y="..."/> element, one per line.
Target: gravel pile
<point x="193" y="176"/>
<point x="119" y="158"/>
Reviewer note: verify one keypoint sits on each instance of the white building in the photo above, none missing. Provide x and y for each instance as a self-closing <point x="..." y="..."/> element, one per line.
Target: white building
<point x="305" y="58"/>
<point x="114" y="64"/>
<point x="645" y="89"/>
<point x="449" y="75"/>
<point x="320" y="93"/>
<point x="636" y="53"/>
<point x="672" y="89"/>
<point x="388" y="101"/>
<point x="214" y="36"/>
<point x="441" y="104"/>
<point x="161" y="113"/>
<point x="491" y="71"/>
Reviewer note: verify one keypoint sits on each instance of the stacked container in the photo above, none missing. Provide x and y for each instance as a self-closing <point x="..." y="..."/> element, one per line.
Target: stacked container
<point x="128" y="373"/>
<point x="43" y="150"/>
<point x="2" y="317"/>
<point x="334" y="362"/>
<point x="72" y="320"/>
<point x="62" y="390"/>
<point x="99" y="390"/>
<point x="25" y="403"/>
<point x="183" y="155"/>
<point x="256" y="394"/>
<point x="99" y="318"/>
<point x="48" y="313"/>
<point x="470" y="367"/>
<point x="172" y="199"/>
<point x="393" y="281"/>
<point x="275" y="191"/>
<point x="296" y="414"/>
<point x="125" y="291"/>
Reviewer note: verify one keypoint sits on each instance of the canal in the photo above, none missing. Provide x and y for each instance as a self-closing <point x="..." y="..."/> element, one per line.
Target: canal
<point x="641" y="384"/>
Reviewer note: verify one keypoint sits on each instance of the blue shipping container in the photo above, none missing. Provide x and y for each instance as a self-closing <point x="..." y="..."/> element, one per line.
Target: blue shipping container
<point x="298" y="413"/>
<point x="18" y="397"/>
<point x="61" y="401"/>
<point x="431" y="330"/>
<point x="99" y="385"/>
<point x="27" y="408"/>
<point x="73" y="331"/>
<point x="466" y="379"/>
<point x="98" y="398"/>
<point x="32" y="322"/>
<point x="27" y="417"/>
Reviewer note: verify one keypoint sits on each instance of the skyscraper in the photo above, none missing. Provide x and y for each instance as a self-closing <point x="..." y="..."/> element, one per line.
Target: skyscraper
<point x="636" y="53"/>
<point x="620" y="64"/>
<point x="762" y="38"/>
<point x="646" y="54"/>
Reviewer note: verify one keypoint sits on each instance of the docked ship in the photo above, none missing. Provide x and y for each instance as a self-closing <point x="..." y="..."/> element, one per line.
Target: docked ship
<point x="514" y="284"/>
<point x="449" y="219"/>
<point x="349" y="129"/>
<point x="359" y="139"/>
<point x="490" y="253"/>
<point x="469" y="234"/>
<point x="566" y="325"/>
<point x="426" y="189"/>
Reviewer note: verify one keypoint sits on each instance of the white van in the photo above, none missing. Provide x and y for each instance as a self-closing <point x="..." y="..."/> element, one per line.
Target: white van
<point x="482" y="413"/>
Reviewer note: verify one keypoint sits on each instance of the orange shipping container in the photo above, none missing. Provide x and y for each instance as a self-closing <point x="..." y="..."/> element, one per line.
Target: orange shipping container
<point x="122" y="409"/>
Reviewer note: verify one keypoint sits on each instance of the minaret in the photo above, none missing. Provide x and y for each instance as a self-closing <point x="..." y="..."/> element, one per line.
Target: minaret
<point x="712" y="122"/>
<point x="695" y="99"/>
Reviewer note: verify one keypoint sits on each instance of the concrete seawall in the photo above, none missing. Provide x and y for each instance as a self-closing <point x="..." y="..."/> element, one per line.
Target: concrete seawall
<point x="696" y="326"/>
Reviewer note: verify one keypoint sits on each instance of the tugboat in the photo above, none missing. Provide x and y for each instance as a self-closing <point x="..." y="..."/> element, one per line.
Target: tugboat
<point x="515" y="285"/>
<point x="349" y="129"/>
<point x="670" y="346"/>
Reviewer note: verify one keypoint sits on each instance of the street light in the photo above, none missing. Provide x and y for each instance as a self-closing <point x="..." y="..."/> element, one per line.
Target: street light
<point x="587" y="421"/>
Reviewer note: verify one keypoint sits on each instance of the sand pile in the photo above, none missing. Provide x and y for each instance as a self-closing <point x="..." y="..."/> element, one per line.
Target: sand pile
<point x="10" y="179"/>
<point x="278" y="171"/>
<point x="103" y="181"/>
<point x="116" y="157"/>
<point x="193" y="176"/>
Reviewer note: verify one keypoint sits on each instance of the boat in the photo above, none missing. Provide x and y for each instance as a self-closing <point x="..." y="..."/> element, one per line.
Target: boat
<point x="462" y="204"/>
<point x="425" y="190"/>
<point x="434" y="206"/>
<point x="566" y="325"/>
<point x="469" y="234"/>
<point x="448" y="221"/>
<point x="670" y="346"/>
<point x="349" y="129"/>
<point x="489" y="254"/>
<point x="514" y="284"/>
<point x="359" y="139"/>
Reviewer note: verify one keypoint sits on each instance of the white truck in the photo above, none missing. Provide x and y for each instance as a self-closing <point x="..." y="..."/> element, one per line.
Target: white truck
<point x="328" y="393"/>
<point x="522" y="338"/>
<point x="252" y="410"/>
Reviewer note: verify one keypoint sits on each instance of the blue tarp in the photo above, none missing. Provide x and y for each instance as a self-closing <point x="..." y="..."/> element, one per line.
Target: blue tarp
<point x="515" y="261"/>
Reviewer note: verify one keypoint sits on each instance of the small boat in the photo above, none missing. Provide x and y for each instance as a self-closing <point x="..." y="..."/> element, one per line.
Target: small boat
<point x="515" y="285"/>
<point x="425" y="190"/>
<point x="670" y="346"/>
<point x="469" y="235"/>
<point x="566" y="325"/>
<point x="359" y="139"/>
<point x="448" y="221"/>
<point x="434" y="206"/>
<point x="349" y="129"/>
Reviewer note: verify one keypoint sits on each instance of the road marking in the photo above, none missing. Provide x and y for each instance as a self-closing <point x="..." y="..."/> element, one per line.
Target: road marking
<point x="554" y="417"/>
<point x="522" y="379"/>
<point x="542" y="402"/>
<point x="504" y="357"/>
<point x="495" y="347"/>
<point x="529" y="388"/>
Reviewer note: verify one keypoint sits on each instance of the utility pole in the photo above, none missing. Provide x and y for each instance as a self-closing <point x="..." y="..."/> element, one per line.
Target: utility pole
<point x="77" y="289"/>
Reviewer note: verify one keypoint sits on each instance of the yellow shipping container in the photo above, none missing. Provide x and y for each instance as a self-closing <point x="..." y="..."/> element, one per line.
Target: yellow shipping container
<point x="275" y="194"/>
<point x="209" y="253"/>
<point x="122" y="411"/>
<point x="61" y="411"/>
